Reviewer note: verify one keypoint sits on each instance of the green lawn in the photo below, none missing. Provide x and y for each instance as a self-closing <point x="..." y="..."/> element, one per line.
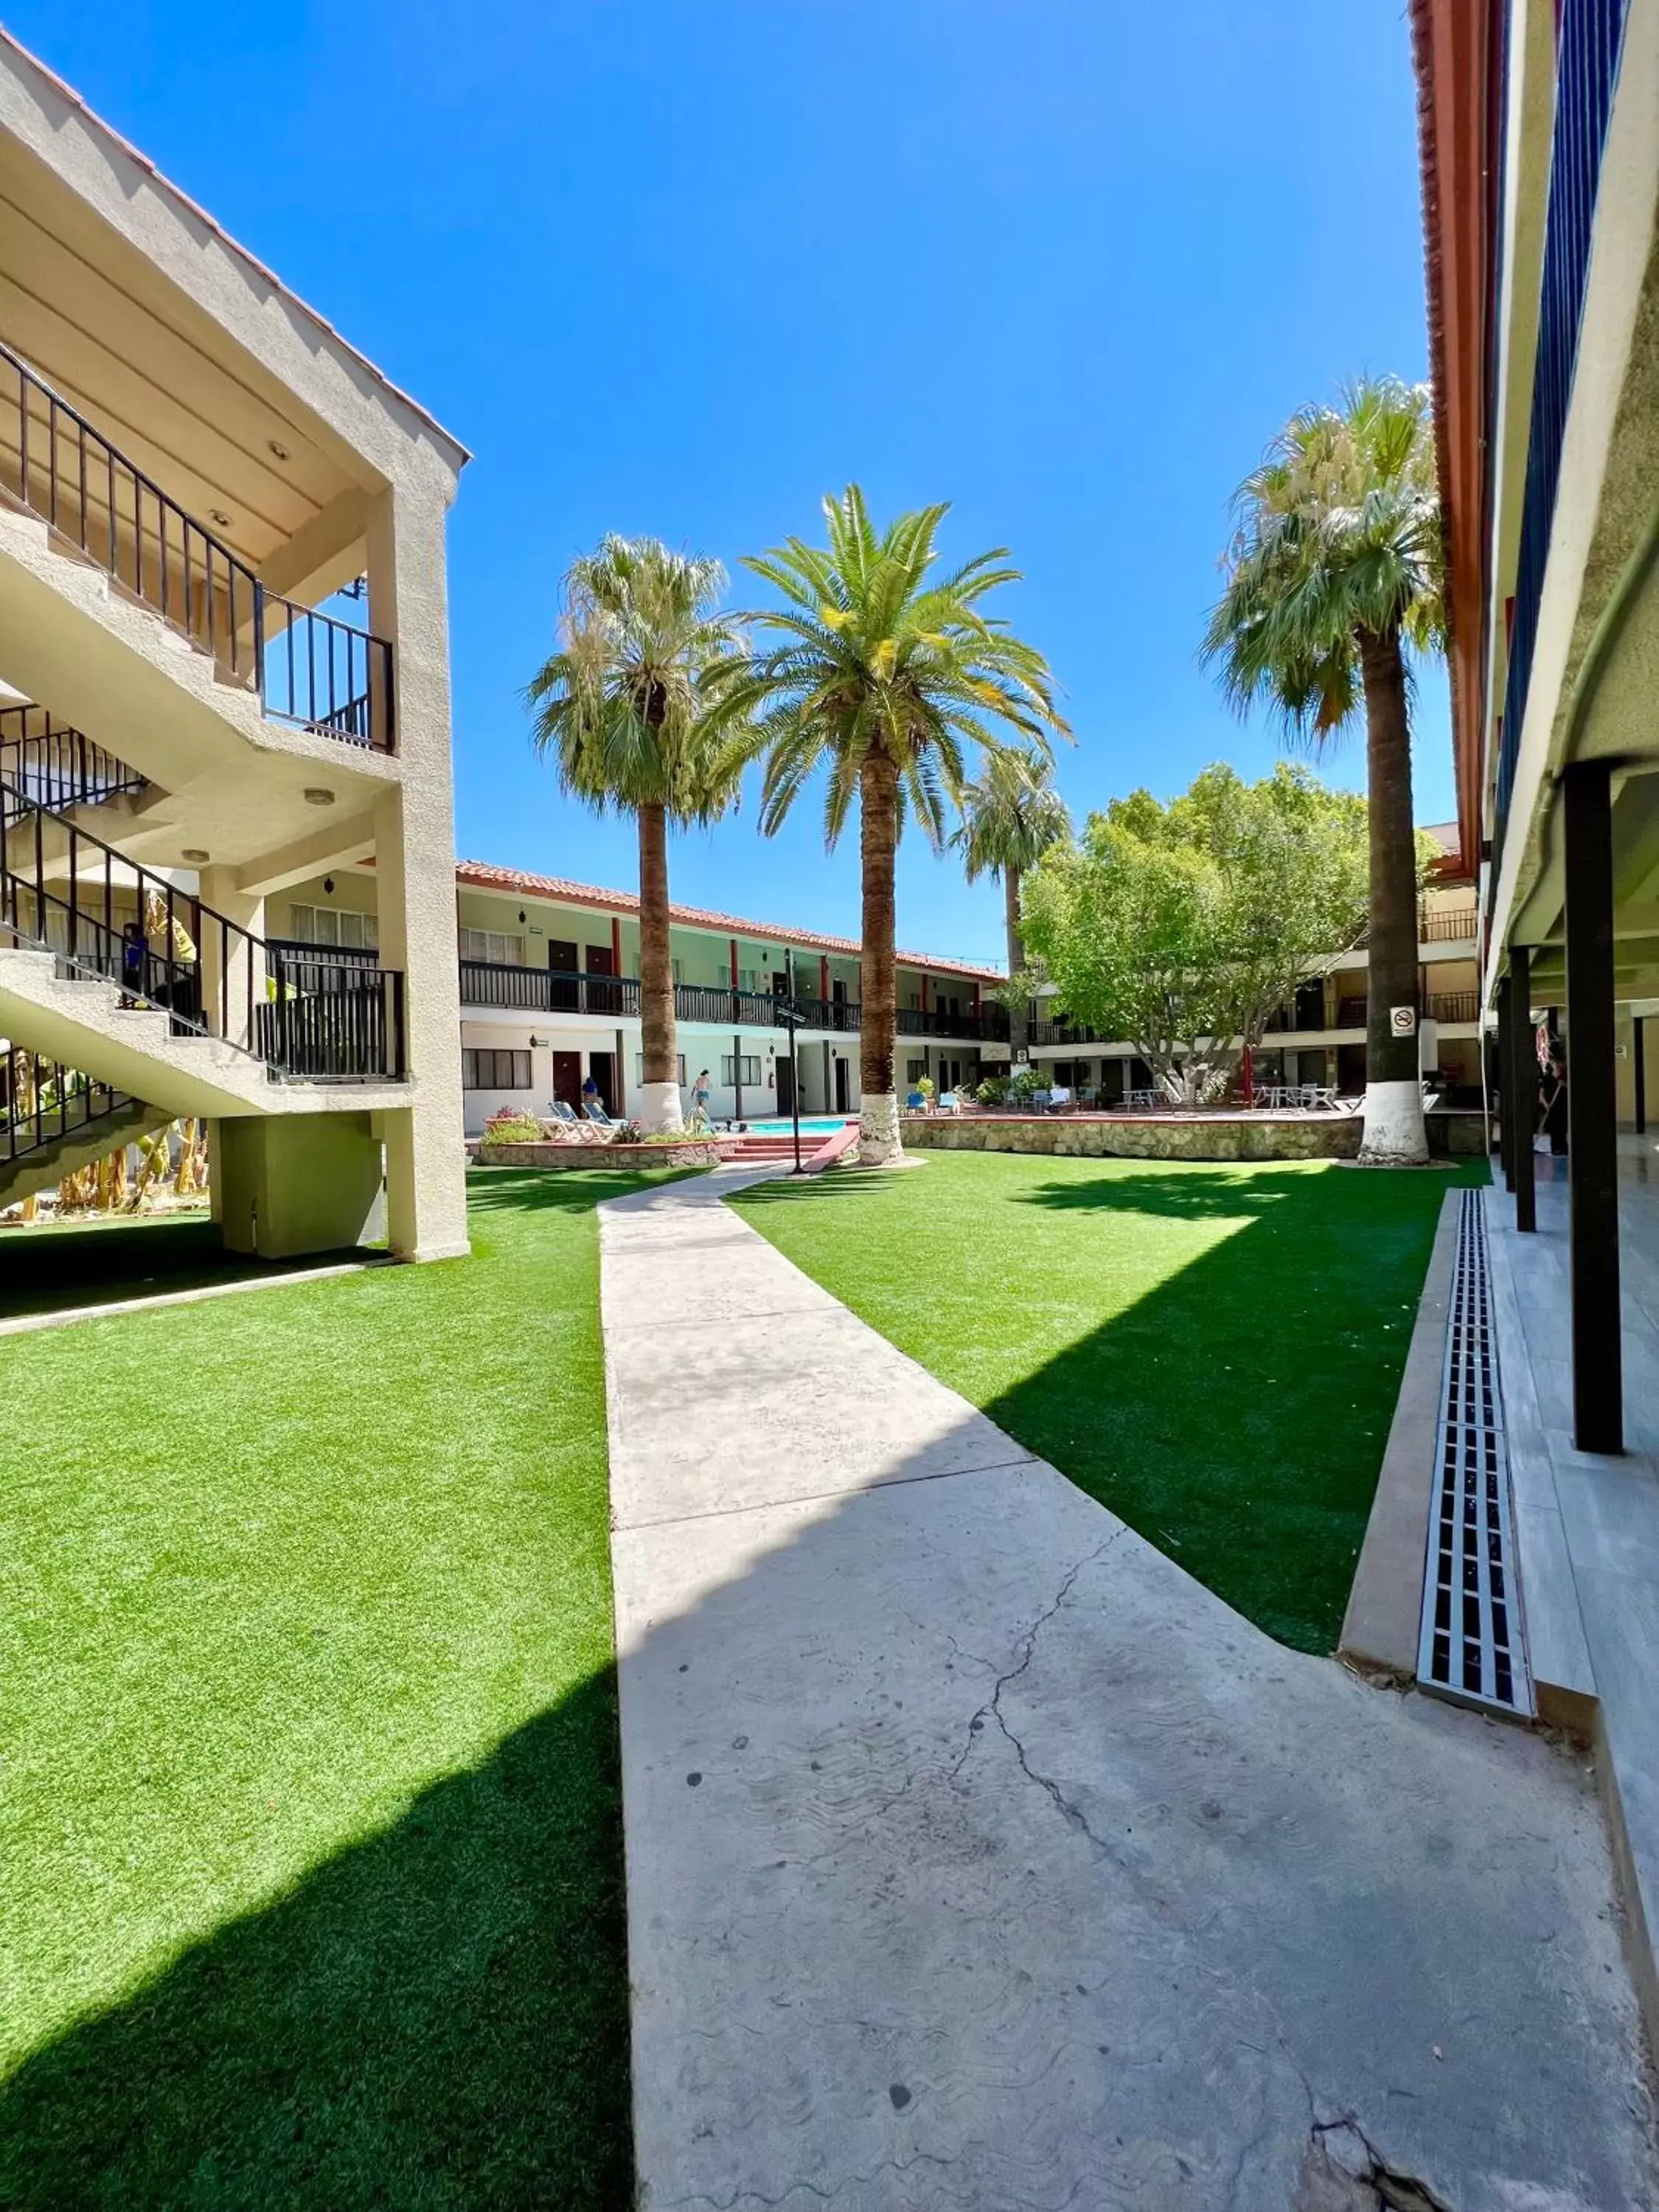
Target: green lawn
<point x="1213" y="1352"/>
<point x="311" y="1880"/>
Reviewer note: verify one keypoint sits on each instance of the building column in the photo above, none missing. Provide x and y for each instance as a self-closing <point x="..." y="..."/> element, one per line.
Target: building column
<point x="233" y="976"/>
<point x="1522" y="1063"/>
<point x="414" y="871"/>
<point x="1592" y="1109"/>
<point x="1506" y="1081"/>
<point x="1639" y="1073"/>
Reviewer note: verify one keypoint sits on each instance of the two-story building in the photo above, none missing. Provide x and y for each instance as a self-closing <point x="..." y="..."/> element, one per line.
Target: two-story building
<point x="549" y="995"/>
<point x="1320" y="1038"/>
<point x="223" y="639"/>
<point x="1540" y="159"/>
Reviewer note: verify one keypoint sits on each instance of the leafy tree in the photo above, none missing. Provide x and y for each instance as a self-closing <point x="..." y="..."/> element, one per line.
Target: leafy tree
<point x="1012" y="816"/>
<point x="886" y="677"/>
<point x="1181" y="928"/>
<point x="620" y="709"/>
<point x="1335" y="570"/>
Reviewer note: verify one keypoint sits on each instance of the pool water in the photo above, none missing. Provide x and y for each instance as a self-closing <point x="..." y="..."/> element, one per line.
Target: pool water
<point x="815" y="1125"/>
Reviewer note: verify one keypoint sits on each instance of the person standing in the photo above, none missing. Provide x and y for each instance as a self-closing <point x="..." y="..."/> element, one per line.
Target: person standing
<point x="701" y="1094"/>
<point x="1552" y="1101"/>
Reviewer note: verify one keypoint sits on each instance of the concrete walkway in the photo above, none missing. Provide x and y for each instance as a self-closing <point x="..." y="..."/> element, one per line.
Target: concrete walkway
<point x="977" y="1858"/>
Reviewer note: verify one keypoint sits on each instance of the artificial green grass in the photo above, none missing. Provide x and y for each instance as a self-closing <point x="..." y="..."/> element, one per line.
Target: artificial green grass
<point x="313" y="1878"/>
<point x="1213" y="1352"/>
<point x="61" y="1264"/>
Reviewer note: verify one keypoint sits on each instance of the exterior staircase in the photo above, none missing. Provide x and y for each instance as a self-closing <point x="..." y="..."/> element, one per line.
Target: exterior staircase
<point x="39" y="1162"/>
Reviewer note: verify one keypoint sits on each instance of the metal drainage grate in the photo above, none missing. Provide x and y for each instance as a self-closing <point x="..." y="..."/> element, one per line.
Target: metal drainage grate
<point x="1472" y="1646"/>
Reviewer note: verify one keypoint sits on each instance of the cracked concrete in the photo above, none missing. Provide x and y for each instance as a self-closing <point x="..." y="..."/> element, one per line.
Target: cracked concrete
<point x="979" y="1858"/>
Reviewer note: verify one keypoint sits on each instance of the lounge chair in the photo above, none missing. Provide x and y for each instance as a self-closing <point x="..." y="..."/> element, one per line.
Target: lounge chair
<point x="562" y="1123"/>
<point x="597" y="1114"/>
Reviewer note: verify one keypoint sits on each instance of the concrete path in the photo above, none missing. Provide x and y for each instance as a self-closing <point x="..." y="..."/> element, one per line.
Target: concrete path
<point x="977" y="1858"/>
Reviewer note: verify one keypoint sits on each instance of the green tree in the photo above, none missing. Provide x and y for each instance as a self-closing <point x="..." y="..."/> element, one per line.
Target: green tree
<point x="1012" y="816"/>
<point x="887" y="678"/>
<point x="1181" y="928"/>
<point x="1335" y="570"/>
<point x="620" y="709"/>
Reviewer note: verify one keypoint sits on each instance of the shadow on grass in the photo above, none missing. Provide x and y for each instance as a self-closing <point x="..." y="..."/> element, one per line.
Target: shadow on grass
<point x="1235" y="1411"/>
<point x="52" y="1269"/>
<point x="432" y="2019"/>
<point x="565" y="1190"/>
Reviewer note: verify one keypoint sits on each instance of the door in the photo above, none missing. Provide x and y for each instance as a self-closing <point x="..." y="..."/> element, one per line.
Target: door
<point x="780" y="984"/>
<point x="601" y="997"/>
<point x="843" y="1083"/>
<point x="568" y="1078"/>
<point x="602" y="1067"/>
<point x="785" y="1084"/>
<point x="563" y="991"/>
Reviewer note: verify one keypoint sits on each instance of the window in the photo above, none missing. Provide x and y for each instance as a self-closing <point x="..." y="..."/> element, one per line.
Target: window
<point x="745" y="1068"/>
<point x="484" y="1070"/>
<point x="747" y="979"/>
<point x="917" y="1068"/>
<point x="679" y="1068"/>
<point x="334" y="925"/>
<point x="679" y="970"/>
<point x="492" y="946"/>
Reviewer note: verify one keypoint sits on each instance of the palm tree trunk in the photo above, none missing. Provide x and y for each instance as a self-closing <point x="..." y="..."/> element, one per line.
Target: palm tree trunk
<point x="659" y="1092"/>
<point x="1019" y="1028"/>
<point x="1394" y="1134"/>
<point x="878" y="1129"/>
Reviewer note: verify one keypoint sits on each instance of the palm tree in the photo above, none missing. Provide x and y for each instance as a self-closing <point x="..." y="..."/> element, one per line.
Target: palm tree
<point x="1335" y="568"/>
<point x="620" y="709"/>
<point x="1012" y="815"/>
<point x="883" y="675"/>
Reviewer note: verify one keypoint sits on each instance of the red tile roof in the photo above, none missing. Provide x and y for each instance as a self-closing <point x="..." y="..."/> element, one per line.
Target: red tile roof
<point x="482" y="877"/>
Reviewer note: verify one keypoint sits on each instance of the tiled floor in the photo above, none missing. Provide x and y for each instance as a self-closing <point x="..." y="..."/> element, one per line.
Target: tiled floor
<point x="1587" y="1526"/>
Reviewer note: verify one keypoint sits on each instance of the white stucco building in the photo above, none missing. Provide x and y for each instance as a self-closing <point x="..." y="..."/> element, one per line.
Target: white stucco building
<point x="223" y="637"/>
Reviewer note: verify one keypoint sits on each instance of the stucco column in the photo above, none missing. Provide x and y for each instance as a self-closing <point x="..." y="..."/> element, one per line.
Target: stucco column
<point x="233" y="975"/>
<point x="415" y="871"/>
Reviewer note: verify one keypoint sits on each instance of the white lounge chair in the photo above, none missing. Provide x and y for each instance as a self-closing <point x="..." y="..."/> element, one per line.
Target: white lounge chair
<point x="597" y="1114"/>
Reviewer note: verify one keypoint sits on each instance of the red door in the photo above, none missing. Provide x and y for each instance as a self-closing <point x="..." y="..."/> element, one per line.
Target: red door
<point x="568" y="1078"/>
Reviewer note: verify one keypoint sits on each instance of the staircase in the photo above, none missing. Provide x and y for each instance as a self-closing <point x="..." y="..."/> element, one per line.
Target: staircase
<point x="752" y="1147"/>
<point x="54" y="1122"/>
<point x="217" y="1021"/>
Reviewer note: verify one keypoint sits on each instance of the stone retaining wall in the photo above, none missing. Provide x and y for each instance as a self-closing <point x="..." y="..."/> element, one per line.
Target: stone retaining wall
<point x="695" y="1153"/>
<point x="1141" y="1136"/>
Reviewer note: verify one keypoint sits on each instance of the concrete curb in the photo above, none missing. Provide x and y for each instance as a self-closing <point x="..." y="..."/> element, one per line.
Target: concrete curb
<point x="1385" y="1605"/>
<point x="25" y="1324"/>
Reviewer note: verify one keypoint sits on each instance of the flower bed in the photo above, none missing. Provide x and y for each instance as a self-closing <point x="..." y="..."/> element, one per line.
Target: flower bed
<point x="1196" y="1136"/>
<point x="680" y="1152"/>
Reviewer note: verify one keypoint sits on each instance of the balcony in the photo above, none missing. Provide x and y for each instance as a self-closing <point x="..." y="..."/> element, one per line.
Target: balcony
<point x="561" y="991"/>
<point x="989" y="1023"/>
<point x="548" y="990"/>
<point x="1459" y="924"/>
<point x="1589" y="37"/>
<point x="309" y="670"/>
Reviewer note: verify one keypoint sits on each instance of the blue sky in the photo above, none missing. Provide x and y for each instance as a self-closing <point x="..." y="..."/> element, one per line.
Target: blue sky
<point x="683" y="266"/>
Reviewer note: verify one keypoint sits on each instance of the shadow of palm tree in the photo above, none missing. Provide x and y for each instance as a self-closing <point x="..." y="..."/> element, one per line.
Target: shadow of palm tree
<point x="432" y="2019"/>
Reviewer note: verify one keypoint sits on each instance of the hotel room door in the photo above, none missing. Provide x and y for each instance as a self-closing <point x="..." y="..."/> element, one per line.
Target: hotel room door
<point x="568" y="1078"/>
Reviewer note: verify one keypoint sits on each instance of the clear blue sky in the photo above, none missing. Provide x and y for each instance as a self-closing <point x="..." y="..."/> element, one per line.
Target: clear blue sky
<point x="684" y="265"/>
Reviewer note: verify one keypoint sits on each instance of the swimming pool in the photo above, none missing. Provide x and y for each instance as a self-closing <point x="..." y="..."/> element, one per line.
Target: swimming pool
<point x="814" y="1125"/>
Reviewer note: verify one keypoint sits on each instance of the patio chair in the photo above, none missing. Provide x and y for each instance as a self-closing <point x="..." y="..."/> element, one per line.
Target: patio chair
<point x="915" y="1104"/>
<point x="950" y="1103"/>
<point x="597" y="1114"/>
<point x="562" y="1122"/>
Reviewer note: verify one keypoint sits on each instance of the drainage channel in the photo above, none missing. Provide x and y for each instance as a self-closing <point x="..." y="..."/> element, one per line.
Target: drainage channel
<point x="1472" y="1647"/>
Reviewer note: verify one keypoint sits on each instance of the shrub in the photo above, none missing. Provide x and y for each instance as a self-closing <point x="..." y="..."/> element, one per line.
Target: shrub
<point x="513" y="1126"/>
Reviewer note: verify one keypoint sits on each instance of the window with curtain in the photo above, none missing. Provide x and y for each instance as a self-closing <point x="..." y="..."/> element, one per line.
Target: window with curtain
<point x="493" y="946"/>
<point x="743" y="1067"/>
<point x="339" y="926"/>
<point x="486" y="1068"/>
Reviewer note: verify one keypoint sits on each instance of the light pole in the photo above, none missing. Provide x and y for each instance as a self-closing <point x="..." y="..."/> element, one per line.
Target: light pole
<point x="789" y="1015"/>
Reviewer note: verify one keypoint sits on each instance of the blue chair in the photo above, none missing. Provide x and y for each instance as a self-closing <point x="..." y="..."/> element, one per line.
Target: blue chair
<point x="915" y="1104"/>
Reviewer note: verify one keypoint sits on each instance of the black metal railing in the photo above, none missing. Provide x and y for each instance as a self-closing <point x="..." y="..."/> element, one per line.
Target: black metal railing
<point x="1052" y="1032"/>
<point x="1351" y="1012"/>
<point x="55" y="764"/>
<point x="950" y="1022"/>
<point x="840" y="1015"/>
<point x="307" y="668"/>
<point x="1589" y="37"/>
<point x="547" y="990"/>
<point x="42" y="1101"/>
<point x="65" y="892"/>
<point x="1455" y="1006"/>
<point x="717" y="1003"/>
<point x="1448" y="927"/>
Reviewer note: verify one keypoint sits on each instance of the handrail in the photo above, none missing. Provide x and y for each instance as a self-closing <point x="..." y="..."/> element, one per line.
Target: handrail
<point x="1589" y="37"/>
<point x="251" y="988"/>
<point x="55" y="764"/>
<point x="33" y="1100"/>
<point x="63" y="469"/>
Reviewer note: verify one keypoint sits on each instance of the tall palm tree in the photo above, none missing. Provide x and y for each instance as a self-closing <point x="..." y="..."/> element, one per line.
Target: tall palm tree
<point x="1335" y="569"/>
<point x="882" y="674"/>
<point x="1012" y="815"/>
<point x="619" y="708"/>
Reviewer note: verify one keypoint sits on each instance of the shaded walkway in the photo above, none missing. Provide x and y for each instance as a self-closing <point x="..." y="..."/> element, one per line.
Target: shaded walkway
<point x="979" y="1857"/>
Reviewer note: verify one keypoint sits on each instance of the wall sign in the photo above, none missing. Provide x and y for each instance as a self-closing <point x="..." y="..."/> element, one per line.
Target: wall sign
<point x="1402" y="1021"/>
